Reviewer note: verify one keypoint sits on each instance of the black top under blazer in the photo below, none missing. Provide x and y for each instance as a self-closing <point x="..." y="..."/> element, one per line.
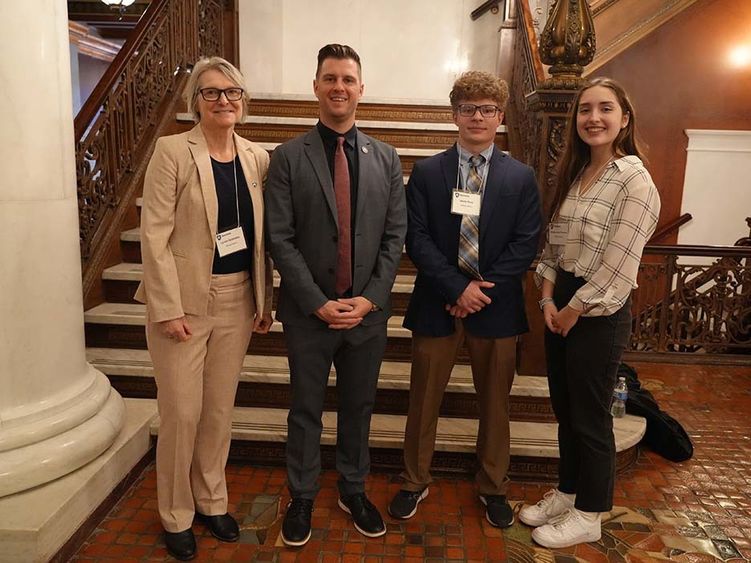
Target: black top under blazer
<point x="510" y="221"/>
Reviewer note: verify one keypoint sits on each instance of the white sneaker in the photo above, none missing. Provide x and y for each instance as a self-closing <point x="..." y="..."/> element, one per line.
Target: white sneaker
<point x="570" y="528"/>
<point x="553" y="503"/>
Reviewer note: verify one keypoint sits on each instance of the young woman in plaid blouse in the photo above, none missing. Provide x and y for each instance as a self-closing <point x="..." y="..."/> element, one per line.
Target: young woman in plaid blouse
<point x="606" y="208"/>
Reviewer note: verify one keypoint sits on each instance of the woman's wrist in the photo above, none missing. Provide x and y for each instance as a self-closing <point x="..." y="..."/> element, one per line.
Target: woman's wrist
<point x="545" y="301"/>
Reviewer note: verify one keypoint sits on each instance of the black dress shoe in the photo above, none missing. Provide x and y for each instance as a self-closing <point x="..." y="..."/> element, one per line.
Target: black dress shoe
<point x="296" y="525"/>
<point x="223" y="527"/>
<point x="365" y="516"/>
<point x="181" y="545"/>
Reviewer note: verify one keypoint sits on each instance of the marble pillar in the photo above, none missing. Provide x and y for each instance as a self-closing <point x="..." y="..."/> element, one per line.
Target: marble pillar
<point x="57" y="413"/>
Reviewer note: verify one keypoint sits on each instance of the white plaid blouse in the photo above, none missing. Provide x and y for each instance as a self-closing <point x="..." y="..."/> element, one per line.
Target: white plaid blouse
<point x="608" y="227"/>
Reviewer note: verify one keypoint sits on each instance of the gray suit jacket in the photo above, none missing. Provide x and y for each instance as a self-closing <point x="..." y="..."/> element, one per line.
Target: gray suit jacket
<point x="301" y="223"/>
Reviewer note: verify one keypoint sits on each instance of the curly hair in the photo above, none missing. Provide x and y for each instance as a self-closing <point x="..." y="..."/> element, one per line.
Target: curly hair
<point x="476" y="85"/>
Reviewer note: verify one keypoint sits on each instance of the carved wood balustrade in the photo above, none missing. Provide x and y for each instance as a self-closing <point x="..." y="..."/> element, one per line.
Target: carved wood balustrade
<point x="117" y="126"/>
<point x="682" y="305"/>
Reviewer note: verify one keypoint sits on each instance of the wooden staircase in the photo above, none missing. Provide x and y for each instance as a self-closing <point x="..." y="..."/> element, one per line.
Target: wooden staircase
<point x="116" y="342"/>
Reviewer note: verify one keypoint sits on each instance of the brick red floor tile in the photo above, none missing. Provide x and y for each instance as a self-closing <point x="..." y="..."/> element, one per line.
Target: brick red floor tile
<point x="712" y="491"/>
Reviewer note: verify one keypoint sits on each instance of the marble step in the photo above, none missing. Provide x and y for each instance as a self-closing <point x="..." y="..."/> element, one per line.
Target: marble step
<point x="264" y="382"/>
<point x="259" y="436"/>
<point x="121" y="280"/>
<point x="130" y="247"/>
<point x="121" y="325"/>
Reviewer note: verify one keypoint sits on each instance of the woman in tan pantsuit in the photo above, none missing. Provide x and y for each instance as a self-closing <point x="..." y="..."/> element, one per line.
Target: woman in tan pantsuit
<point x="207" y="286"/>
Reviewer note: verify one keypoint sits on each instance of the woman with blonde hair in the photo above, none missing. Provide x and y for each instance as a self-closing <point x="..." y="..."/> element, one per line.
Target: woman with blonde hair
<point x="207" y="287"/>
<point x="605" y="210"/>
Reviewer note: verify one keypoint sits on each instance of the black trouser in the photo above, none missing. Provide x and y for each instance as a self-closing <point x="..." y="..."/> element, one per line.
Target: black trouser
<point x="582" y="372"/>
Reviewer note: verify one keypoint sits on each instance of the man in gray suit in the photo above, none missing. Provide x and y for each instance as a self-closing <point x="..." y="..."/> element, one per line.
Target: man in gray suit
<point x="336" y="221"/>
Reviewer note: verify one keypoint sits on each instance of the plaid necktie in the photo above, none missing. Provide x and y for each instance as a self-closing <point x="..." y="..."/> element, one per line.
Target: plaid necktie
<point x="469" y="233"/>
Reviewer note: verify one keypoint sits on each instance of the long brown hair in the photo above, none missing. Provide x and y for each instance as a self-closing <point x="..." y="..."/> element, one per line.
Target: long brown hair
<point x="576" y="153"/>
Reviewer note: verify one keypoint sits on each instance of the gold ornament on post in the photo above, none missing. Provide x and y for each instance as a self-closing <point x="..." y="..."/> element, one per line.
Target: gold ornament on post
<point x="567" y="43"/>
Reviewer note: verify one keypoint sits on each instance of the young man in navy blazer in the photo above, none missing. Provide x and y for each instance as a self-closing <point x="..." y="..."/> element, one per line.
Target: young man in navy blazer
<point x="474" y="220"/>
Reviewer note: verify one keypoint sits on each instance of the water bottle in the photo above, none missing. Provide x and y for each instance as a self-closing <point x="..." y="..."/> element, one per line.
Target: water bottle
<point x="620" y="394"/>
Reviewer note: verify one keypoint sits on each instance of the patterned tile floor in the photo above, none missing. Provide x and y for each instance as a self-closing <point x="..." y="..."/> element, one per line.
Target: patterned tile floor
<point x="697" y="511"/>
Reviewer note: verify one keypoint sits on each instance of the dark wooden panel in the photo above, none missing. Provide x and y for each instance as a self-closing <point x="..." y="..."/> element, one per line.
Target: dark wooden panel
<point x="388" y="401"/>
<point x="271" y="344"/>
<point x="678" y="78"/>
<point x="390" y="460"/>
<point x="367" y="111"/>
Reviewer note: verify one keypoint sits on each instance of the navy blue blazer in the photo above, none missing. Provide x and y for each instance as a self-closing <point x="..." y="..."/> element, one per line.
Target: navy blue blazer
<point x="510" y="221"/>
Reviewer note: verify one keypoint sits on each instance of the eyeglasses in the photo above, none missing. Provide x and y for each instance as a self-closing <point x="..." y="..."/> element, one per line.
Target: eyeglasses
<point x="469" y="110"/>
<point x="213" y="94"/>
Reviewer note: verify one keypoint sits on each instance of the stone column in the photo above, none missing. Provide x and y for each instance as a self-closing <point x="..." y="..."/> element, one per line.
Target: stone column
<point x="57" y="413"/>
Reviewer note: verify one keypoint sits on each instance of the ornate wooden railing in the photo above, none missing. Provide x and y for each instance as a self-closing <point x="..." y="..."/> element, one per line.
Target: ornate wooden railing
<point x="523" y="124"/>
<point x="682" y="305"/>
<point x="670" y="227"/>
<point x="116" y="127"/>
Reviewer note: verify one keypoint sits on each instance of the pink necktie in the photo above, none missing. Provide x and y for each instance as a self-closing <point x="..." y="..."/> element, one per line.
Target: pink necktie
<point x="343" y="212"/>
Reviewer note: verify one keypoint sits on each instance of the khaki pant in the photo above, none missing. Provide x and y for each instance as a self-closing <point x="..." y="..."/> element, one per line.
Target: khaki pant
<point x="493" y="366"/>
<point x="196" y="384"/>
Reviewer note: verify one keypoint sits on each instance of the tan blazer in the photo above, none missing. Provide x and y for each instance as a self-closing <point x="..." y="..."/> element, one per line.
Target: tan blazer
<point x="179" y="223"/>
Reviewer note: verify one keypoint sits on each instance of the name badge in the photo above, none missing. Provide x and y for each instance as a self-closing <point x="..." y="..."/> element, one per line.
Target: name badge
<point x="558" y="232"/>
<point x="230" y="241"/>
<point x="465" y="203"/>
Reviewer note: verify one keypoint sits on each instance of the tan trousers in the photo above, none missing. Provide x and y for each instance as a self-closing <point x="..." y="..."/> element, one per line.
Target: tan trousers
<point x="493" y="366"/>
<point x="196" y="384"/>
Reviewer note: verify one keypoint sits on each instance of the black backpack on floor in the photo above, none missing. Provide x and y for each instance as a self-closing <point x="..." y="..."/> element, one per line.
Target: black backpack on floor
<point x="664" y="434"/>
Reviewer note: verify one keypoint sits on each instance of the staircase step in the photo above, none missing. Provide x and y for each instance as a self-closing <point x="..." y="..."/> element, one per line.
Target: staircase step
<point x="121" y="325"/>
<point x="259" y="436"/>
<point x="130" y="247"/>
<point x="264" y="382"/>
<point x="121" y="281"/>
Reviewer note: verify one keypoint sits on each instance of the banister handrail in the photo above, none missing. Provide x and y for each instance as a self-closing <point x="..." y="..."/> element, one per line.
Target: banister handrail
<point x="671" y="226"/>
<point x="712" y="251"/>
<point x="531" y="39"/>
<point x="484" y="7"/>
<point x="118" y="126"/>
<point x="90" y="108"/>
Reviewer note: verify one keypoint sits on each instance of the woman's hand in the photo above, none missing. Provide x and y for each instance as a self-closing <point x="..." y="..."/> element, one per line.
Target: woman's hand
<point x="549" y="311"/>
<point x="262" y="324"/>
<point x="176" y="329"/>
<point x="565" y="320"/>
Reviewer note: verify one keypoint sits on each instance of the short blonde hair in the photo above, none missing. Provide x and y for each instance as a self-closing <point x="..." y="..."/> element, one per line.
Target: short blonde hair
<point x="476" y="85"/>
<point x="194" y="82"/>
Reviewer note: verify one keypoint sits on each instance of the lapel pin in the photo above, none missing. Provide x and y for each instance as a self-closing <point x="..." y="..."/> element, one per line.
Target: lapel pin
<point x="254" y="183"/>
<point x="365" y="150"/>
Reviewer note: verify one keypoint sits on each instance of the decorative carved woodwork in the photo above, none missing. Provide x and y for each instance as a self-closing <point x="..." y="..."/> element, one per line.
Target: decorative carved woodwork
<point x="685" y="307"/>
<point x="567" y="43"/>
<point x="365" y="111"/>
<point x="116" y="128"/>
<point x="538" y="108"/>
